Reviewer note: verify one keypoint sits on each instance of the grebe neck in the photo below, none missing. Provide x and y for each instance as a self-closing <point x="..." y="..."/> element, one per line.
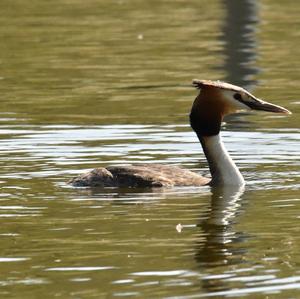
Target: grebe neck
<point x="222" y="168"/>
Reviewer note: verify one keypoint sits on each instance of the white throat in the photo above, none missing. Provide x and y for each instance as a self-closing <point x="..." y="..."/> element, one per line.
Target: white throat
<point x="222" y="168"/>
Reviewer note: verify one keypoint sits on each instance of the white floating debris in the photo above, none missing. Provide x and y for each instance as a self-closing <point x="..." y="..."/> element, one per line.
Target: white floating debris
<point x="179" y="227"/>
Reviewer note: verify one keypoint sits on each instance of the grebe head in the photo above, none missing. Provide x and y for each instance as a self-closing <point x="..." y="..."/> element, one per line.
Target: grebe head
<point x="217" y="99"/>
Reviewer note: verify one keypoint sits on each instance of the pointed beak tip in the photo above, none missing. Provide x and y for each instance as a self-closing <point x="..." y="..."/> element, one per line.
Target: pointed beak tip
<point x="288" y="112"/>
<point x="285" y="111"/>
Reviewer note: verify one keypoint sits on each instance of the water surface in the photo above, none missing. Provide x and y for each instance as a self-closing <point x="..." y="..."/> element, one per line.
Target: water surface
<point x="87" y="84"/>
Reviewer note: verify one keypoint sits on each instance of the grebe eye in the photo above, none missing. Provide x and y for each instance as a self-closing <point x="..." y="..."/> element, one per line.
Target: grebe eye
<point x="237" y="96"/>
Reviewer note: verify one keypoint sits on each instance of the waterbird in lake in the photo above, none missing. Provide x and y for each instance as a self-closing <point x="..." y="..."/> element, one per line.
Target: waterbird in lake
<point x="215" y="100"/>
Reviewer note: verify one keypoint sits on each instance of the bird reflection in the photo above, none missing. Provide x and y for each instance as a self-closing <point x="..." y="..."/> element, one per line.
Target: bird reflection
<point x="218" y="238"/>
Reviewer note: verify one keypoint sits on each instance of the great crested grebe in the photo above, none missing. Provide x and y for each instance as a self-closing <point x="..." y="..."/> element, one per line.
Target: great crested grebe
<point x="215" y="100"/>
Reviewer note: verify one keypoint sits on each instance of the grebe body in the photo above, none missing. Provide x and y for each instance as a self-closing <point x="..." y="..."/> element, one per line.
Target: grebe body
<point x="215" y="100"/>
<point x="140" y="175"/>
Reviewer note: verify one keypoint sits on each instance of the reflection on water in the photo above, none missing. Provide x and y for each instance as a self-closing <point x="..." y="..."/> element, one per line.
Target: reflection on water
<point x="241" y="19"/>
<point x="217" y="247"/>
<point x="240" y="42"/>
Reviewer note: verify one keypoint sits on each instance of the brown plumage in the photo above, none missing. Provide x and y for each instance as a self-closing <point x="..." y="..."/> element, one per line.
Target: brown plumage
<point x="142" y="175"/>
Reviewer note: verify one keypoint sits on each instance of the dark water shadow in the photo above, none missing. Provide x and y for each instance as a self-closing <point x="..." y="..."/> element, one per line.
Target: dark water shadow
<point x="240" y="47"/>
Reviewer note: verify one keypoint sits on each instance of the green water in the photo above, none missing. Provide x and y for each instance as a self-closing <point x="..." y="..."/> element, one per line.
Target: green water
<point x="92" y="83"/>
